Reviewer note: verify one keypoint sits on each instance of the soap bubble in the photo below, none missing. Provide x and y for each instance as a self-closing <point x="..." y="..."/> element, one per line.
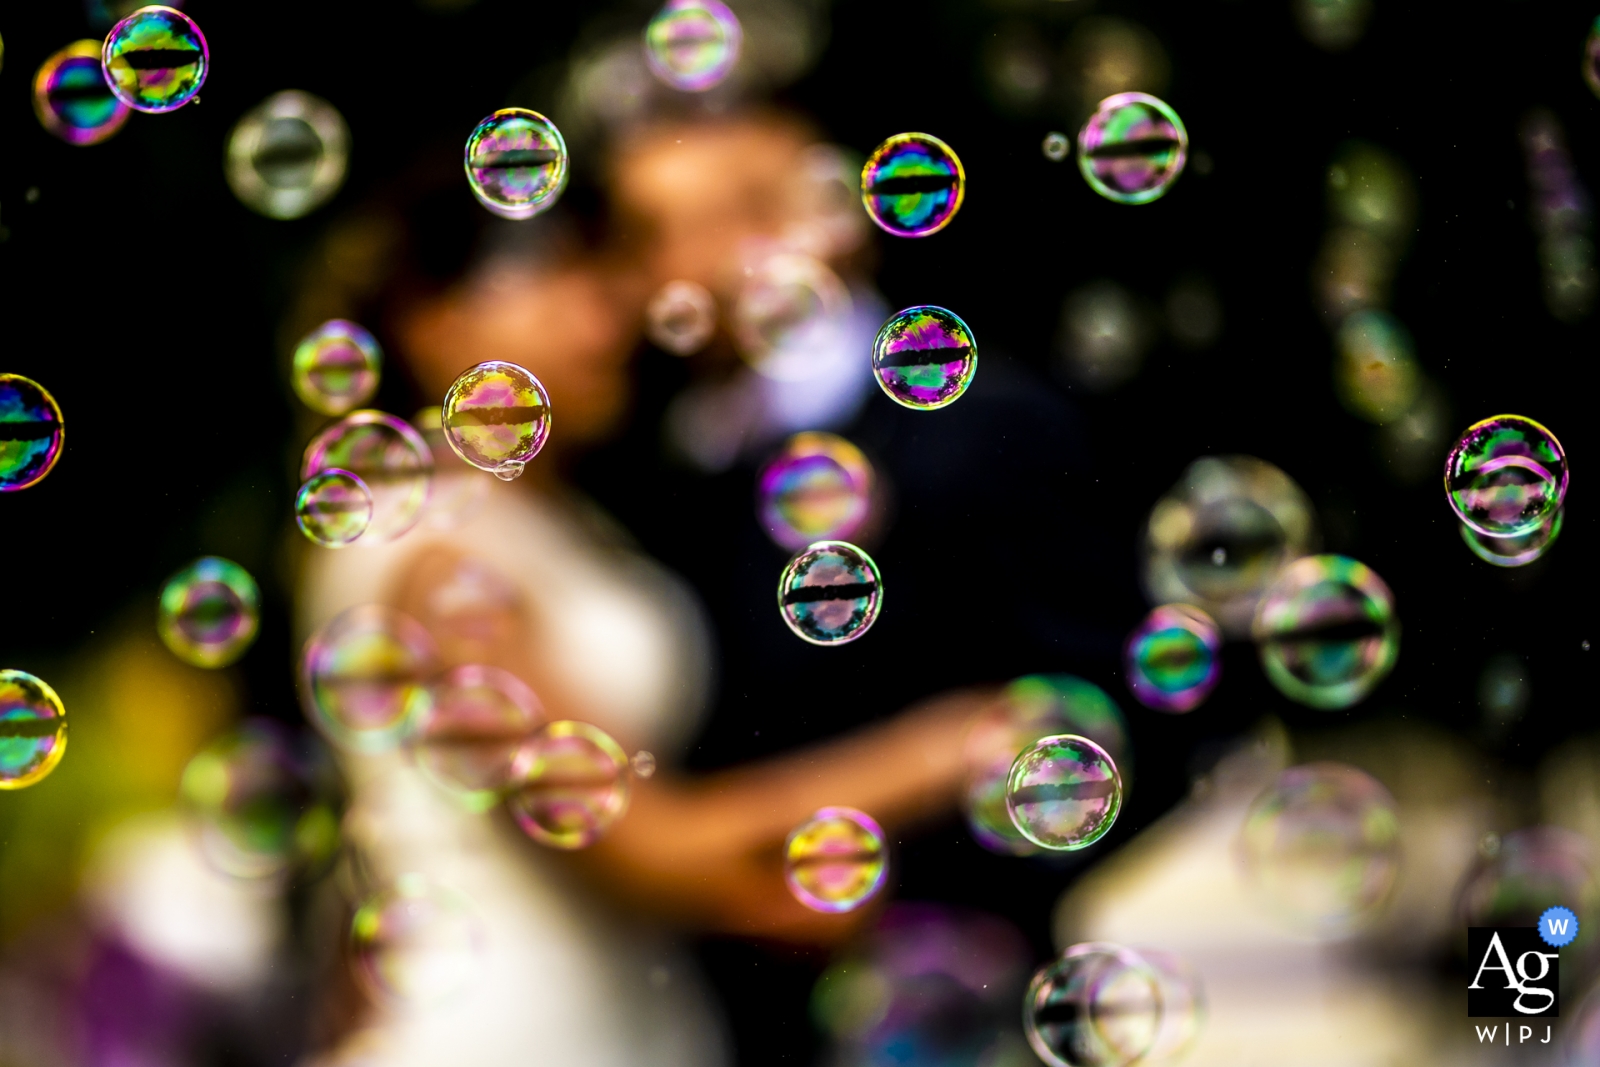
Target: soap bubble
<point x="416" y="942"/>
<point x="570" y="783"/>
<point x="333" y="508"/>
<point x="831" y="593"/>
<point x="681" y="317"/>
<point x="457" y="490"/>
<point x="1506" y="476"/>
<point x="1219" y="537"/>
<point x="496" y="416"/>
<point x="1327" y="632"/>
<point x="1516" y="551"/>
<point x="819" y="487"/>
<point x="789" y="308"/>
<point x="363" y="678"/>
<point x="822" y="201"/>
<point x="643" y="763"/>
<point x="209" y="612"/>
<point x="72" y="99"/>
<point x="1534" y="868"/>
<point x="1132" y="148"/>
<point x="1173" y="658"/>
<point x="1057" y="146"/>
<point x="264" y="803"/>
<point x="33" y="729"/>
<point x="1064" y="792"/>
<point x="1183" y="1005"/>
<point x="516" y="162"/>
<point x="476" y="720"/>
<point x="1098" y="1005"/>
<point x="1376" y="375"/>
<point x="156" y="59"/>
<point x="336" y="367"/>
<point x="387" y="454"/>
<point x="31" y="432"/>
<point x="836" y="860"/>
<point x="924" y="357"/>
<point x="692" y="45"/>
<point x="1321" y="845"/>
<point x="287" y="155"/>
<point x="913" y="185"/>
<point x="1031" y="708"/>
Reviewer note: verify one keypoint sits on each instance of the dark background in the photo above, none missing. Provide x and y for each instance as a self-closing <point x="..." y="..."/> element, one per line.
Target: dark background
<point x="147" y="299"/>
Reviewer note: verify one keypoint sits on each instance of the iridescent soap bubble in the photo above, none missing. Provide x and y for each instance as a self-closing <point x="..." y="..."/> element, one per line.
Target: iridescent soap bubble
<point x="387" y="454"/>
<point x="831" y="593"/>
<point x="156" y="59"/>
<point x="72" y="99"/>
<point x="416" y="942"/>
<point x="924" y="357"/>
<point x="1057" y="146"/>
<point x="692" y="44"/>
<point x="790" y="308"/>
<point x="1535" y="868"/>
<point x="570" y="783"/>
<point x="819" y="487"/>
<point x="1183" y="1005"/>
<point x="496" y="416"/>
<point x="1098" y="1005"/>
<point x="836" y="860"/>
<point x="209" y="612"/>
<point x="913" y="185"/>
<point x="364" y="678"/>
<point x="1506" y="476"/>
<point x="1321" y="846"/>
<point x="265" y="804"/>
<point x="681" y="317"/>
<point x="1326" y="631"/>
<point x="33" y="729"/>
<point x="476" y="720"/>
<point x="336" y="367"/>
<point x="287" y="155"/>
<point x="1517" y="551"/>
<point x="516" y="162"/>
<point x="1064" y="792"/>
<point x="1132" y="148"/>
<point x="333" y="508"/>
<point x="1376" y="374"/>
<point x="31" y="432"/>
<point x="1173" y="659"/>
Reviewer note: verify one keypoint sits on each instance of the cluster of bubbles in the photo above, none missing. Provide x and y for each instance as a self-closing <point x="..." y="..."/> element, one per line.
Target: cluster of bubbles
<point x="913" y="185"/>
<point x="681" y="317"/>
<point x="156" y="59"/>
<point x="73" y="100"/>
<point x="31" y="432"/>
<point x="570" y="784"/>
<point x="1327" y="631"/>
<point x="209" y="612"/>
<point x="830" y="593"/>
<point x="836" y="860"/>
<point x="1173" y="658"/>
<point x="416" y="942"/>
<point x="516" y="163"/>
<point x="496" y="417"/>
<point x="692" y="45"/>
<point x="1103" y="1005"/>
<point x="287" y="156"/>
<point x="817" y="488"/>
<point x="387" y="454"/>
<point x="1063" y="792"/>
<point x="1132" y="148"/>
<point x="1506" y="480"/>
<point x="33" y="729"/>
<point x="924" y="357"/>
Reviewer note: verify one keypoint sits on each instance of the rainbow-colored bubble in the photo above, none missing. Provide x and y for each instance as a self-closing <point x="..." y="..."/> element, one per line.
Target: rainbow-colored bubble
<point x="924" y="357"/>
<point x="1516" y="551"/>
<point x="386" y="453"/>
<point x="364" y="678"/>
<point x="1097" y="1005"/>
<point x="913" y="185"/>
<point x="1173" y="658"/>
<point x="31" y="432"/>
<point x="836" y="860"/>
<point x="287" y="156"/>
<point x="333" y="508"/>
<point x="336" y="367"/>
<point x="1132" y="148"/>
<point x="496" y="416"/>
<point x="1326" y="631"/>
<point x="818" y="488"/>
<point x="692" y="45"/>
<point x="156" y="59"/>
<point x="477" y="719"/>
<point x="209" y="612"/>
<point x="416" y="942"/>
<point x="831" y="593"/>
<point x="72" y="99"/>
<point x="33" y="729"/>
<point x="570" y="783"/>
<point x="1506" y="476"/>
<point x="1064" y="792"/>
<point x="516" y="162"/>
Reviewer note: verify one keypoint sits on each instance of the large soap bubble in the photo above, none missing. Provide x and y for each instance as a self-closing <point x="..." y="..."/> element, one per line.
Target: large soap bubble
<point x="570" y="782"/>
<point x="416" y="942"/>
<point x="1098" y="1005"/>
<point x="831" y="593"/>
<point x="1506" y="476"/>
<point x="1327" y="631"/>
<point x="31" y="432"/>
<point x="387" y="454"/>
<point x="818" y="488"/>
<point x="836" y="860"/>
<point x="287" y="155"/>
<point x="476" y="720"/>
<point x="364" y="678"/>
<point x="496" y="416"/>
<point x="1064" y="792"/>
<point x="516" y="162"/>
<point x="1132" y="148"/>
<point x="156" y="59"/>
<point x="913" y="185"/>
<point x="209" y="612"/>
<point x="33" y="729"/>
<point x="72" y="99"/>
<point x="1173" y="658"/>
<point x="692" y="45"/>
<point x="924" y="357"/>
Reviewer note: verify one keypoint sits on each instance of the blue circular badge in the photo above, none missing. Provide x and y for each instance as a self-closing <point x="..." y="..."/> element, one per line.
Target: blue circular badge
<point x="1558" y="926"/>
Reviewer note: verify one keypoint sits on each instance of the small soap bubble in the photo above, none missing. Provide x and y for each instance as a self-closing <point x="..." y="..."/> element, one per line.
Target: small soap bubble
<point x="1321" y="846"/>
<point x="913" y="185"/>
<point x="1326" y="631"/>
<point x="333" y="508"/>
<point x="1057" y="146"/>
<point x="1517" y="551"/>
<point x="643" y="763"/>
<point x="476" y="720"/>
<point x="364" y="678"/>
<point x="831" y="593"/>
<point x="924" y="357"/>
<point x="516" y="162"/>
<point x="681" y="317"/>
<point x="156" y="59"/>
<point x="1132" y="148"/>
<point x="416" y="942"/>
<point x="209" y="612"/>
<point x="264" y="802"/>
<point x="33" y="729"/>
<point x="287" y="155"/>
<point x="72" y="99"/>
<point x="692" y="45"/>
<point x="387" y="454"/>
<point x="570" y="783"/>
<point x="1506" y="476"/>
<point x="1376" y="374"/>
<point x="789" y="309"/>
<point x="496" y="416"/>
<point x="1064" y="792"/>
<point x="1173" y="659"/>
<point x="818" y="488"/>
<point x="336" y="367"/>
<point x="836" y="860"/>
<point x="1098" y="1005"/>
<point x="31" y="432"/>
